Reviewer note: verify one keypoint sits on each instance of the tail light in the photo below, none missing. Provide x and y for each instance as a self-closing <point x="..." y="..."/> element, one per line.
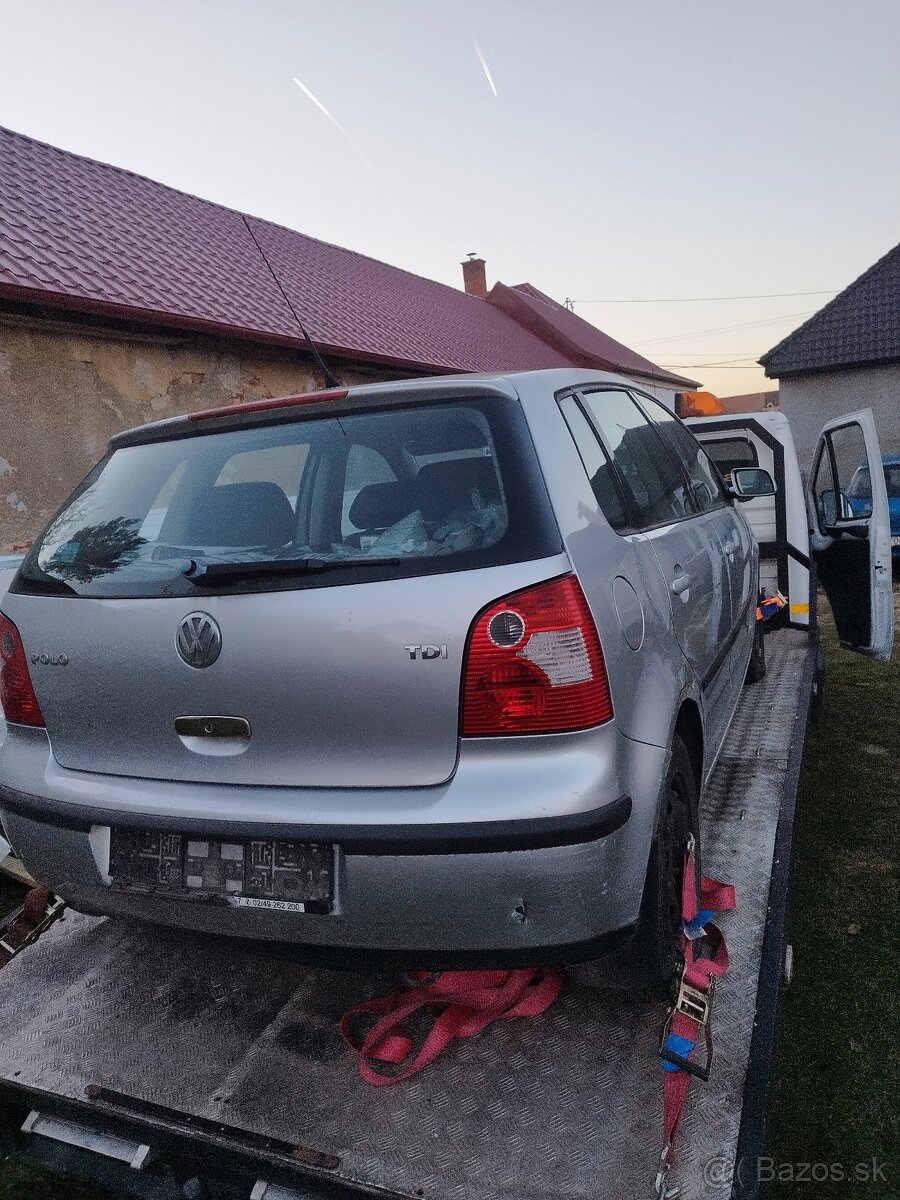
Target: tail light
<point x="534" y="664"/>
<point x="17" y="698"/>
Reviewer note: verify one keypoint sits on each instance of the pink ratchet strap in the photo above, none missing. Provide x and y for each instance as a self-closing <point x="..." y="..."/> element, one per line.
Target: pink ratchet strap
<point x="692" y="1010"/>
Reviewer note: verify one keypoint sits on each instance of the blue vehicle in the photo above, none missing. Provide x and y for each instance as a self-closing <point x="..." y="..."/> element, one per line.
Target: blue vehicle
<point x="860" y="491"/>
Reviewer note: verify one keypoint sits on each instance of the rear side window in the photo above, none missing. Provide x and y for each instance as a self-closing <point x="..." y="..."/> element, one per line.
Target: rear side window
<point x="431" y="488"/>
<point x="652" y="477"/>
<point x="706" y="484"/>
<point x="596" y="463"/>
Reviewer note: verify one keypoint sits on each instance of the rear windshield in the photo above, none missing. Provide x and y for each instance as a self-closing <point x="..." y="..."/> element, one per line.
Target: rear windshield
<point x="403" y="491"/>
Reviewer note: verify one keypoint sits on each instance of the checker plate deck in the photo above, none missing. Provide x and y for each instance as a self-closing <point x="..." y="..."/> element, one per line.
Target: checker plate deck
<point x="564" y="1105"/>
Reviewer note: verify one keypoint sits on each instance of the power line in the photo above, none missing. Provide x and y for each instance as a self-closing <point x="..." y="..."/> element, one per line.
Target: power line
<point x="677" y="337"/>
<point x="705" y="299"/>
<point x="725" y="362"/>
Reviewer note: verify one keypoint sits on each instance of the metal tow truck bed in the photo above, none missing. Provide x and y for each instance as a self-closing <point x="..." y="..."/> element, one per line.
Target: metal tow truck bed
<point x="165" y="1056"/>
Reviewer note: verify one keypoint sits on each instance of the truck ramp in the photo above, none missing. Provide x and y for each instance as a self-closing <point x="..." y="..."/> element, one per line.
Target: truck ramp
<point x="173" y="1038"/>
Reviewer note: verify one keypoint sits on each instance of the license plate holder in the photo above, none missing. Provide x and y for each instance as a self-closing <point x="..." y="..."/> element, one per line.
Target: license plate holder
<point x="260" y="873"/>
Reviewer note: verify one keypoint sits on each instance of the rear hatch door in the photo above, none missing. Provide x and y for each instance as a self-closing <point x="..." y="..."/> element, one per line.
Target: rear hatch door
<point x="286" y="604"/>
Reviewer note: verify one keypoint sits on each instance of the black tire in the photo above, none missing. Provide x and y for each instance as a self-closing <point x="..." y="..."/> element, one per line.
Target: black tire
<point x="657" y="945"/>
<point x="756" y="668"/>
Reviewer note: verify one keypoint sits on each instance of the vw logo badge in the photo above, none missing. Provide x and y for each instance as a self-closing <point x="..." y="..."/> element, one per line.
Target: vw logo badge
<point x="198" y="640"/>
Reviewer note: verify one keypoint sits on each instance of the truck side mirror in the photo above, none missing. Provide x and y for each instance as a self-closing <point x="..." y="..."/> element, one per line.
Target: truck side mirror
<point x="836" y="508"/>
<point x="749" y="482"/>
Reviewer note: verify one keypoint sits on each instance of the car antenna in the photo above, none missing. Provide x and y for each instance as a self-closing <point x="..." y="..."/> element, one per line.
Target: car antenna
<point x="331" y="381"/>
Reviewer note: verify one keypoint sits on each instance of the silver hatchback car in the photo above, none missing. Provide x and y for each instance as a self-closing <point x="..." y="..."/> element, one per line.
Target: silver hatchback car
<point x="432" y="670"/>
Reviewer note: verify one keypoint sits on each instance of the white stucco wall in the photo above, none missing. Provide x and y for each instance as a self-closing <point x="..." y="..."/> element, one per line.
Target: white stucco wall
<point x="665" y="395"/>
<point x="809" y="401"/>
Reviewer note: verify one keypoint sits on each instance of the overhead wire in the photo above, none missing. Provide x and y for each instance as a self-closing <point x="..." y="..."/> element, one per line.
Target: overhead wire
<point x="677" y="337"/>
<point x="707" y="299"/>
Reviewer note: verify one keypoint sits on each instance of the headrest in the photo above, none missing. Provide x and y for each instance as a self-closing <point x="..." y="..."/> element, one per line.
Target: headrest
<point x="380" y="505"/>
<point x="244" y="514"/>
<point x="447" y="486"/>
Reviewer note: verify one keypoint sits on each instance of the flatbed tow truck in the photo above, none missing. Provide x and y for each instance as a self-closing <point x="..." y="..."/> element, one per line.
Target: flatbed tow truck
<point x="165" y="1065"/>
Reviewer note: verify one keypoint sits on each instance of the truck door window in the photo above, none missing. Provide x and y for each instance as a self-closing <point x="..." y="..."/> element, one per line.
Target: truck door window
<point x="842" y="485"/>
<point x="728" y="453"/>
<point x="596" y="464"/>
<point x="652" y="478"/>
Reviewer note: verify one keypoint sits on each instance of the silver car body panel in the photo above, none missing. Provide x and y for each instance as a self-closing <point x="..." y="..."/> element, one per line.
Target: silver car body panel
<point x="323" y="676"/>
<point x="348" y="730"/>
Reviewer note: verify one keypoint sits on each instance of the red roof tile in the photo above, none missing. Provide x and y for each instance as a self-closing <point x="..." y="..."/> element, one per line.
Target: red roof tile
<point x="81" y="234"/>
<point x="584" y="342"/>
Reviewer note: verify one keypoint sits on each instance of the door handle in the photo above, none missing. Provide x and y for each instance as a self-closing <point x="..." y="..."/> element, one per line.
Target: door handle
<point x="681" y="583"/>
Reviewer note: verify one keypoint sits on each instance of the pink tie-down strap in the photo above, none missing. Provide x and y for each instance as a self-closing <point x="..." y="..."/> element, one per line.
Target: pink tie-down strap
<point x="460" y="1004"/>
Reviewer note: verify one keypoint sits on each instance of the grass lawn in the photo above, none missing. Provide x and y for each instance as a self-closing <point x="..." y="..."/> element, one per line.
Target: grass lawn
<point x="836" y="1089"/>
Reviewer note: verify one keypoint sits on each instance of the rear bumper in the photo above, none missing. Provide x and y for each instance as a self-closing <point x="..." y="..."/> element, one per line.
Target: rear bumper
<point x="459" y="838"/>
<point x="553" y="904"/>
<point x="548" y="887"/>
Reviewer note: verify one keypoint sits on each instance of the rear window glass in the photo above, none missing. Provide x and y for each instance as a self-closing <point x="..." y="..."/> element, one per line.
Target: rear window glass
<point x="428" y="488"/>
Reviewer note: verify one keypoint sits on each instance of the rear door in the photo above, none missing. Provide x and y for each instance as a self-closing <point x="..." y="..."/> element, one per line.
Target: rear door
<point x="729" y="532"/>
<point x="684" y="541"/>
<point x="850" y="535"/>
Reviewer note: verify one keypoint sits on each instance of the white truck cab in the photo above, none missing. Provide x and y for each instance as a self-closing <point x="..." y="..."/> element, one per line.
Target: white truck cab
<point x="847" y="536"/>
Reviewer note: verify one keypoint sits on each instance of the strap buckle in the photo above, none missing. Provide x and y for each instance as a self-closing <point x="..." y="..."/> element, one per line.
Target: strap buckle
<point x="661" y="1188"/>
<point x="52" y="909"/>
<point x="697" y="1005"/>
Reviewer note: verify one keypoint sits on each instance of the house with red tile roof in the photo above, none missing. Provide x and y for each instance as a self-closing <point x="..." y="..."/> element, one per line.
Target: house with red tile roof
<point x="123" y="300"/>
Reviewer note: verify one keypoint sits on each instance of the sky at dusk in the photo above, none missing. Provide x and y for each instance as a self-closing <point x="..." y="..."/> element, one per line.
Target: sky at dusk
<point x="606" y="152"/>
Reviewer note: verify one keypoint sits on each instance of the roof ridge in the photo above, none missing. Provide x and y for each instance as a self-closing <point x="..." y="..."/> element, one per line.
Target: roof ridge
<point x="237" y="212"/>
<point x="819" y="313"/>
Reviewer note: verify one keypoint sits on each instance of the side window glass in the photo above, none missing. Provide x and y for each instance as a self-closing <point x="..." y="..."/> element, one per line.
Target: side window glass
<point x="278" y="465"/>
<point x="728" y="453"/>
<point x="365" y="466"/>
<point x="706" y="486"/>
<point x="596" y="464"/>
<point x="152" y="523"/>
<point x="651" y="475"/>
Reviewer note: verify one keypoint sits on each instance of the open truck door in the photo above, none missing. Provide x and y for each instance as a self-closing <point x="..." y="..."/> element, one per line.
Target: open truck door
<point x="850" y="533"/>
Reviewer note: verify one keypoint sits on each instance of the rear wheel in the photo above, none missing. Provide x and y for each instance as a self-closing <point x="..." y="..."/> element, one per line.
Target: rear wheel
<point x="657" y="944"/>
<point x="756" y="668"/>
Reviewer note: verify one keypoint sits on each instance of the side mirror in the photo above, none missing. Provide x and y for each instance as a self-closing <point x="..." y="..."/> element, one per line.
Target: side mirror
<point x="749" y="482"/>
<point x="835" y="508"/>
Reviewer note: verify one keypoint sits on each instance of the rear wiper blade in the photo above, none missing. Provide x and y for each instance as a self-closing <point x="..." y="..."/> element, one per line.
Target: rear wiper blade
<point x="204" y="574"/>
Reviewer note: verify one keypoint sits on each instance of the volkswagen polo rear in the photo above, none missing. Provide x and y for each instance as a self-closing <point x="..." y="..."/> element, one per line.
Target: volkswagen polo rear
<point x="319" y="670"/>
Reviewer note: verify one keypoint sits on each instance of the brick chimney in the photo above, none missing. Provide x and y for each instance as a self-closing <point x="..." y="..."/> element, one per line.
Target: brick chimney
<point x="474" y="277"/>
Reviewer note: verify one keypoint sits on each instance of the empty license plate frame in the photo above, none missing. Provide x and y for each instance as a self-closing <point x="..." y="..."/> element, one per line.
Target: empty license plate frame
<point x="257" y="873"/>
